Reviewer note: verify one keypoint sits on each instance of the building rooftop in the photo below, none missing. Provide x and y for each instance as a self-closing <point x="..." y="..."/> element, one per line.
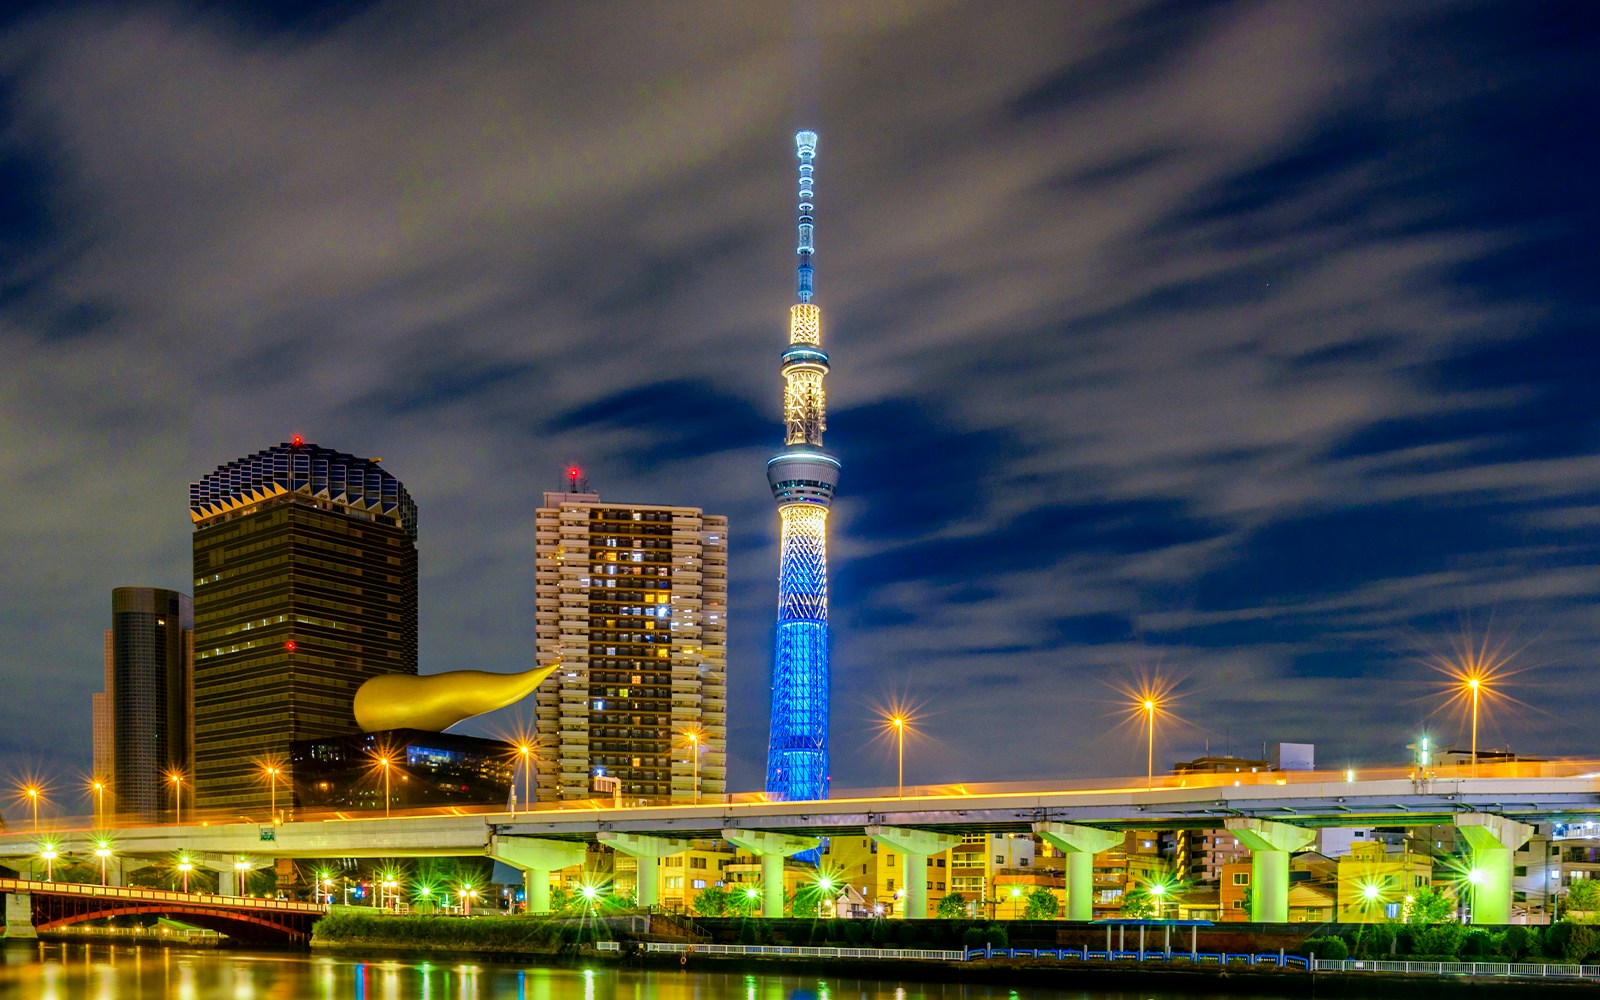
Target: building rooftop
<point x="294" y="467"/>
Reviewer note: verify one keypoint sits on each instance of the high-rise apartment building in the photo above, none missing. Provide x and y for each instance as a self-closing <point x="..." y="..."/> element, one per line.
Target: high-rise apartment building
<point x="631" y="601"/>
<point x="143" y="729"/>
<point x="305" y="586"/>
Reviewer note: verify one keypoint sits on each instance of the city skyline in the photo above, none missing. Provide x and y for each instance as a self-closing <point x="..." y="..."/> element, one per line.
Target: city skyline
<point x="1245" y="345"/>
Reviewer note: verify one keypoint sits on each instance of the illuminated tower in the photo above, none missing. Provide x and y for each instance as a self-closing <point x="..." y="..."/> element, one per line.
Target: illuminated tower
<point x="803" y="478"/>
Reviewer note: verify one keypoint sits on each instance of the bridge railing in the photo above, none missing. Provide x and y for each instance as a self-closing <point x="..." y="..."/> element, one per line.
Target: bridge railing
<point x="8" y="885"/>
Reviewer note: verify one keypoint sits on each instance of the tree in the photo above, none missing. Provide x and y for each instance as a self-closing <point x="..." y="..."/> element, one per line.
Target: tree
<point x="743" y="902"/>
<point x="1138" y="904"/>
<point x="1584" y="894"/>
<point x="1042" y="905"/>
<point x="1430" y="906"/>
<point x="952" y="907"/>
<point x="712" y="901"/>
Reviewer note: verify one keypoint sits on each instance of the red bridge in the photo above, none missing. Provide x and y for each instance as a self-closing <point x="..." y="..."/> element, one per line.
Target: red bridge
<point x="58" y="904"/>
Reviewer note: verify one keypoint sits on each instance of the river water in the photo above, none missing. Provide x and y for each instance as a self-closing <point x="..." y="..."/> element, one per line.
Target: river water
<point x="57" y="971"/>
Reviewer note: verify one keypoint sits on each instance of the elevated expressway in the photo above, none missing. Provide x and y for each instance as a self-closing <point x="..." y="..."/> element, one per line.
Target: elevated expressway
<point x="1274" y="814"/>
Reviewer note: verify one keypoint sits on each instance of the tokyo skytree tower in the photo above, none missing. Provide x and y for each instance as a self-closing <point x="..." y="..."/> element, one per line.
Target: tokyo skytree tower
<point x="802" y="476"/>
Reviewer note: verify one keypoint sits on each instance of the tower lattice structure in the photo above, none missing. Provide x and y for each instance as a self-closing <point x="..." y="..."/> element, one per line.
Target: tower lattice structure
<point x="803" y="477"/>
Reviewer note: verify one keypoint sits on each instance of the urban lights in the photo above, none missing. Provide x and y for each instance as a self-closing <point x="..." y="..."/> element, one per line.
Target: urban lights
<point x="272" y="773"/>
<point x="33" y="792"/>
<point x="241" y="873"/>
<point x="175" y="778"/>
<point x="384" y="759"/>
<point x="47" y="851"/>
<point x="694" y="739"/>
<point x="98" y="787"/>
<point x="102" y="850"/>
<point x="185" y="866"/>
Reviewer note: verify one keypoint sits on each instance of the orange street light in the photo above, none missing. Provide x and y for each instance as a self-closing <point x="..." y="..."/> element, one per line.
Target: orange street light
<point x="176" y="777"/>
<point x="526" y="750"/>
<point x="185" y="866"/>
<point x="98" y="786"/>
<point x="272" y="771"/>
<point x="33" y="792"/>
<point x="1149" y="707"/>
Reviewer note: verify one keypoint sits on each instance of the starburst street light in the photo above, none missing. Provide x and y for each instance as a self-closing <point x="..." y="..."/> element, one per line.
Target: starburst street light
<point x="175" y="777"/>
<point x="897" y="721"/>
<point x="1475" y="672"/>
<point x="695" y="738"/>
<point x="525" y="751"/>
<point x="273" y="773"/>
<point x="102" y="850"/>
<point x="47" y="851"/>
<point x="97" y="785"/>
<point x="185" y="866"/>
<point x="1148" y="700"/>
<point x="384" y="759"/>
<point x="33" y="793"/>
<point x="241" y="872"/>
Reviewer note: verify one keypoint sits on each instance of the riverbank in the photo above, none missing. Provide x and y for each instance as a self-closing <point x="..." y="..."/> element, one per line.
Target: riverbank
<point x="1127" y="976"/>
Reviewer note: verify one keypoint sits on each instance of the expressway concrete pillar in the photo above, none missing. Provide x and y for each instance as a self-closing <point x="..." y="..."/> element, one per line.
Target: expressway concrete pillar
<point x="537" y="859"/>
<point x="914" y="847"/>
<point x="19" y="917"/>
<point x="646" y="852"/>
<point x="1494" y="841"/>
<point x="772" y="848"/>
<point x="1080" y="844"/>
<point x="1270" y="844"/>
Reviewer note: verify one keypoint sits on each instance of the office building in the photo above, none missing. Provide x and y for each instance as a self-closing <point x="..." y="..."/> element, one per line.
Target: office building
<point x="631" y="602"/>
<point x="143" y="729"/>
<point x="305" y="586"/>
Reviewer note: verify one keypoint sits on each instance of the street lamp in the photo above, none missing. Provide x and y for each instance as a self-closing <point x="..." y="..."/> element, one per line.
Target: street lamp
<point x="176" y="777"/>
<point x="102" y="851"/>
<point x="185" y="866"/>
<point x="694" y="750"/>
<point x="48" y="852"/>
<point x="241" y="872"/>
<point x="1149" y="707"/>
<point x="99" y="788"/>
<point x="526" y="750"/>
<point x="388" y="886"/>
<point x="327" y="886"/>
<point x="272" y="771"/>
<point x="1159" y="891"/>
<point x="467" y="894"/>
<point x="899" y="724"/>
<point x="1474" y="684"/>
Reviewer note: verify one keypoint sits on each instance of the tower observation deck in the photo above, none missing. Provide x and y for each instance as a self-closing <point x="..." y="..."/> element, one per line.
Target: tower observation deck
<point x="802" y="477"/>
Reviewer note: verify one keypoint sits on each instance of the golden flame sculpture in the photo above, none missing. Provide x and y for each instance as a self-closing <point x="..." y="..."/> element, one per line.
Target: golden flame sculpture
<point x="438" y="701"/>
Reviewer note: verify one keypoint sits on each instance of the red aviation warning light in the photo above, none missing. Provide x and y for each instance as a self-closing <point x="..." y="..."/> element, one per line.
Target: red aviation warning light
<point x="297" y="440"/>
<point x="572" y="478"/>
<point x="289" y="645"/>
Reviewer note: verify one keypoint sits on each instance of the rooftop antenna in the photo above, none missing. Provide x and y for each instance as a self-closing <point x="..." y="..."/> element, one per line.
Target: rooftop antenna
<point x="575" y="481"/>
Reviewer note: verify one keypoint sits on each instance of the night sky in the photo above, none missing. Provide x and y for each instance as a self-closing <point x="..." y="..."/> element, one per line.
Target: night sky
<point x="1249" y="347"/>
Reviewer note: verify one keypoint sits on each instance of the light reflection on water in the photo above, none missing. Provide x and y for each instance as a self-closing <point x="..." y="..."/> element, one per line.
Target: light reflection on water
<point x="55" y="971"/>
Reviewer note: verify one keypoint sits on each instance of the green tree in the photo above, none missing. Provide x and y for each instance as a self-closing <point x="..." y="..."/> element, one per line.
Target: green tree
<point x="1430" y="906"/>
<point x="743" y="901"/>
<point x="952" y="907"/>
<point x="1138" y="904"/>
<point x="712" y="901"/>
<point x="1042" y="905"/>
<point x="1584" y="895"/>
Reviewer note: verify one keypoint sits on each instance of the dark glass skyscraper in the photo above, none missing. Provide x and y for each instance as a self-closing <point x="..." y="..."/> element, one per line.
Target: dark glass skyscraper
<point x="150" y="693"/>
<point x="305" y="584"/>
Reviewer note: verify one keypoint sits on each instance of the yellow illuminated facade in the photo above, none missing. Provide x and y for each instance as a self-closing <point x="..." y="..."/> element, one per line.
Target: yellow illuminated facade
<point x="631" y="604"/>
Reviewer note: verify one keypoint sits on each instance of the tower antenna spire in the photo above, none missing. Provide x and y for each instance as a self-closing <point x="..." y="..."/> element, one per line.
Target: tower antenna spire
<point x="802" y="477"/>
